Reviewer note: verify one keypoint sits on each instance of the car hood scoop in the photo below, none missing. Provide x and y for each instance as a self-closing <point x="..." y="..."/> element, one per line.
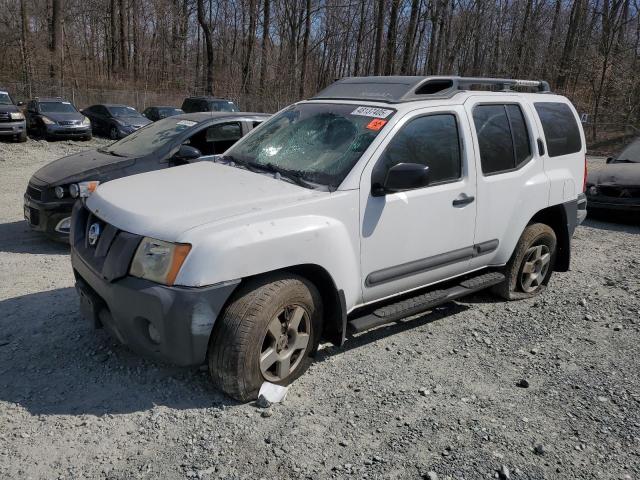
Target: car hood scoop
<point x="166" y="203"/>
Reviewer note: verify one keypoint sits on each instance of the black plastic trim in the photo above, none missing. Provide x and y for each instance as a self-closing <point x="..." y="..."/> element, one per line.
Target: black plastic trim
<point x="415" y="267"/>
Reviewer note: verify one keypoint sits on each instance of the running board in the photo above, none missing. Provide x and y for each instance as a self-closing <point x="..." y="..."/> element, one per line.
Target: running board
<point x="422" y="303"/>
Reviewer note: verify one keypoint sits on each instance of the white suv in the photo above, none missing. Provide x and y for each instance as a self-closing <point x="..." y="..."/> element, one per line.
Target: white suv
<point x="376" y="200"/>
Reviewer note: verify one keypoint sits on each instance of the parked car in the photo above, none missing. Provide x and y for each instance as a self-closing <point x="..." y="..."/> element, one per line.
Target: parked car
<point x="180" y="139"/>
<point x="340" y="213"/>
<point x="54" y="117"/>
<point x="617" y="185"/>
<point x="12" y="123"/>
<point x="158" y="113"/>
<point x="208" y="104"/>
<point x="115" y="121"/>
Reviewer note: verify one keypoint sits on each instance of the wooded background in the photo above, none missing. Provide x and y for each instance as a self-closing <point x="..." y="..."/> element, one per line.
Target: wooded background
<point x="265" y="54"/>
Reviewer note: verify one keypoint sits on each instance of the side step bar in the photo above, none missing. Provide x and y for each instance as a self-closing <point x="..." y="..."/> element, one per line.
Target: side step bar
<point x="422" y="303"/>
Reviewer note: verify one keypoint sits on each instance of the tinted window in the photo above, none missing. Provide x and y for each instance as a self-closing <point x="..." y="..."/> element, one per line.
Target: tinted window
<point x="502" y="136"/>
<point x="224" y="132"/>
<point x="5" y="99"/>
<point x="187" y="105"/>
<point x="223" y="106"/>
<point x="431" y="140"/>
<point x="56" y="107"/>
<point x="560" y="128"/>
<point x="118" y="111"/>
<point x="150" y="138"/>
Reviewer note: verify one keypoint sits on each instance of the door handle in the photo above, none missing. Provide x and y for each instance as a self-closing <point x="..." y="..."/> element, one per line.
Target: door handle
<point x="462" y="200"/>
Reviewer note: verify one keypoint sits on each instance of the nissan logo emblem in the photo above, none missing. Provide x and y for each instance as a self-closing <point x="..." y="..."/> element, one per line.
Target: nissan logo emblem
<point x="94" y="234"/>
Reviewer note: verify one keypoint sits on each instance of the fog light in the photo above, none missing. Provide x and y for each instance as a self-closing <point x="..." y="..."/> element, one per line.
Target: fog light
<point x="59" y="191"/>
<point x="154" y="334"/>
<point x="64" y="225"/>
<point x="74" y="191"/>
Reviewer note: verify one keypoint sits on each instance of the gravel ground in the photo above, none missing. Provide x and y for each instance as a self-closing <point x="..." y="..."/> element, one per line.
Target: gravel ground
<point x="435" y="397"/>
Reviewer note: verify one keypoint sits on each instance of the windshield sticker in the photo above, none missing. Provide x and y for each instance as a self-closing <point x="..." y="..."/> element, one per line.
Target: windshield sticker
<point x="372" y="112"/>
<point x="376" y="124"/>
<point x="186" y="123"/>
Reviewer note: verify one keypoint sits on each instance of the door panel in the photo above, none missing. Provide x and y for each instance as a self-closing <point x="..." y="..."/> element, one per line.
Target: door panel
<point x="414" y="238"/>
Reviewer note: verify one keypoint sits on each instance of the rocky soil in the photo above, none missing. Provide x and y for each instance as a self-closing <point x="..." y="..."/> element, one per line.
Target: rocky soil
<point x="544" y="388"/>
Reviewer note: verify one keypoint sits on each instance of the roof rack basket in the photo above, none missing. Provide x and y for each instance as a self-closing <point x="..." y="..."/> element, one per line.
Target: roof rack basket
<point x="397" y="89"/>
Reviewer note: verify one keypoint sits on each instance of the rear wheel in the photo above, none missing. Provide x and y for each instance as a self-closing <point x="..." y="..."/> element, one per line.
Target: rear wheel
<point x="529" y="269"/>
<point x="268" y="332"/>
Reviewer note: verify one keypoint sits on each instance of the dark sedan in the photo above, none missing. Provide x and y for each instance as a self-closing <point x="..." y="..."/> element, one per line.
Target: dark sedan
<point x="158" y="113"/>
<point x="115" y="121"/>
<point x="54" y="117"/>
<point x="170" y="142"/>
<point x="616" y="186"/>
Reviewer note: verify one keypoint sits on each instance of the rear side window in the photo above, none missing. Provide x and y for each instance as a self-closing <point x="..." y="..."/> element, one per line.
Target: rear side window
<point x="432" y="140"/>
<point x="502" y="136"/>
<point x="560" y="128"/>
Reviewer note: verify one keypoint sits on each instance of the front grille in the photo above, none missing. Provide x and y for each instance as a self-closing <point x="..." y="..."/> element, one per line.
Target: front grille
<point x="111" y="255"/>
<point x="5" y="117"/>
<point x="34" y="192"/>
<point x="619" y="192"/>
<point x="34" y="216"/>
<point x="69" y="122"/>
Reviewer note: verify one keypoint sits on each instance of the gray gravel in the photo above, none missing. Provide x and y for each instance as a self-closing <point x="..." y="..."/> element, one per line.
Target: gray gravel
<point x="439" y="397"/>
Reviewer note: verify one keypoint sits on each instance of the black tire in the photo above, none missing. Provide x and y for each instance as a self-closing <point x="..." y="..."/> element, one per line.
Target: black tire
<point x="113" y="133"/>
<point x="241" y="336"/>
<point x="87" y="137"/>
<point x="21" y="137"/>
<point x="537" y="238"/>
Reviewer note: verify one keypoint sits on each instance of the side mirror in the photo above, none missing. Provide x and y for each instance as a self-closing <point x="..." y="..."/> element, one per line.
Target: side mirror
<point x="401" y="177"/>
<point x="187" y="153"/>
<point x="610" y="159"/>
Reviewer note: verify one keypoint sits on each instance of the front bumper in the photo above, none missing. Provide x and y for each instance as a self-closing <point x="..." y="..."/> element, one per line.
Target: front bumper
<point x="45" y="216"/>
<point x="12" y="128"/>
<point x="182" y="317"/>
<point x="601" y="202"/>
<point x="68" y="130"/>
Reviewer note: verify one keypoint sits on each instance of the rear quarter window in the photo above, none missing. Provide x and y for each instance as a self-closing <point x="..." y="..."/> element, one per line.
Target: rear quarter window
<point x="560" y="128"/>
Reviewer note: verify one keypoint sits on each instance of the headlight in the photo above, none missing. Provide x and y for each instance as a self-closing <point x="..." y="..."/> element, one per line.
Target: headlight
<point x="159" y="261"/>
<point x="83" y="189"/>
<point x="86" y="121"/>
<point x="48" y="121"/>
<point x="17" y="116"/>
<point x="59" y="191"/>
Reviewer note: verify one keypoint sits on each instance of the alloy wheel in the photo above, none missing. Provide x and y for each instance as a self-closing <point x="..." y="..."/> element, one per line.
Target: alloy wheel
<point x="535" y="267"/>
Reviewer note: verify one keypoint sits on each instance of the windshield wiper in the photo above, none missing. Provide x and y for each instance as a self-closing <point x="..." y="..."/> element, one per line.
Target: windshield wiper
<point x="293" y="175"/>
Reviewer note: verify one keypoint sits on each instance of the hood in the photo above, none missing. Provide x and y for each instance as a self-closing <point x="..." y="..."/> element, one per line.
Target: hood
<point x="166" y="203"/>
<point x="79" y="167"/>
<point x="134" y="121"/>
<point x="623" y="174"/>
<point x="9" y="108"/>
<point x="65" y="117"/>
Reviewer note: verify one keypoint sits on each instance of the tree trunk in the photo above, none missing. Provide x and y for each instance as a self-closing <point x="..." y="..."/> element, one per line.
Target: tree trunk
<point x="305" y="49"/>
<point x="249" y="40"/>
<point x="392" y="34"/>
<point x="206" y="30"/>
<point x="112" y="34"/>
<point x="377" y="59"/>
<point x="266" y="13"/>
<point x="55" y="46"/>
<point x="25" y="48"/>
<point x="407" y="55"/>
<point x="123" y="37"/>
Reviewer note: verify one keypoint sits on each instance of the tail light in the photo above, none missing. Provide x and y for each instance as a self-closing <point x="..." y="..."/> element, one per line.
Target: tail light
<point x="584" y="180"/>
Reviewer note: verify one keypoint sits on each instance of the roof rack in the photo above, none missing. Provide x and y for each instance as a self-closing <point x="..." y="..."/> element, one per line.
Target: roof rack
<point x="398" y="89"/>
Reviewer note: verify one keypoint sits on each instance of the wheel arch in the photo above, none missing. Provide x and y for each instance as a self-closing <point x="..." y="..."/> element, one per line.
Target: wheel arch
<point x="333" y="299"/>
<point x="562" y="220"/>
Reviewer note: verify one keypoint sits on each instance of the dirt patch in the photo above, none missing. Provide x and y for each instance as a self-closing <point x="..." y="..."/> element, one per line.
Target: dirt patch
<point x="441" y="396"/>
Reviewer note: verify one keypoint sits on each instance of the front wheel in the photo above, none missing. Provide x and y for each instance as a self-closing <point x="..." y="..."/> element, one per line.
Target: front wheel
<point x="267" y="333"/>
<point x="529" y="268"/>
<point x="22" y="137"/>
<point x="113" y="133"/>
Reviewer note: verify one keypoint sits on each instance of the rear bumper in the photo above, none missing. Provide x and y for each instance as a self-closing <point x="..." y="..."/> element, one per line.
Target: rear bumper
<point x="582" y="208"/>
<point x="181" y="318"/>
<point x="12" y="128"/>
<point x="601" y="202"/>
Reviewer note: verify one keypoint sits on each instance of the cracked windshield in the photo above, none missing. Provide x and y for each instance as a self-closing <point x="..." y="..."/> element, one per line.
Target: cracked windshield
<point x="316" y="143"/>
